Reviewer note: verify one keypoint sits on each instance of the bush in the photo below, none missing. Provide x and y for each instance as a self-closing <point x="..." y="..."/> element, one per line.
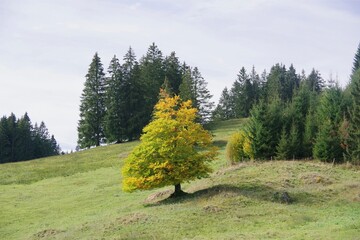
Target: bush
<point x="237" y="148"/>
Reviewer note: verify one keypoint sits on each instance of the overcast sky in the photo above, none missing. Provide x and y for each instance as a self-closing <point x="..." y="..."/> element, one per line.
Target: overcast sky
<point x="46" y="46"/>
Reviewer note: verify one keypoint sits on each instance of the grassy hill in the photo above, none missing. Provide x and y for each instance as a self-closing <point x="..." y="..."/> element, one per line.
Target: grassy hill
<point x="78" y="196"/>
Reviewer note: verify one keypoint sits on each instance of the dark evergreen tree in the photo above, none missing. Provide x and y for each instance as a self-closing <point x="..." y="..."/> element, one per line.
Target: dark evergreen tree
<point x="20" y="141"/>
<point x="353" y="146"/>
<point x="186" y="87"/>
<point x="25" y="150"/>
<point x="173" y="72"/>
<point x="283" y="148"/>
<point x="5" y="141"/>
<point x="328" y="143"/>
<point x="223" y="110"/>
<point x="257" y="86"/>
<point x="309" y="135"/>
<point x="276" y="83"/>
<point x="315" y="81"/>
<point x="356" y="64"/>
<point x="152" y="74"/>
<point x="264" y="128"/>
<point x="92" y="107"/>
<point x="115" y="117"/>
<point x="202" y="97"/>
<point x="242" y="94"/>
<point x="134" y="95"/>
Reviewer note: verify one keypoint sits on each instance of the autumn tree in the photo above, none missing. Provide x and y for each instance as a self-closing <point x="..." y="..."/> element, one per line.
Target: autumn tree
<point x="173" y="149"/>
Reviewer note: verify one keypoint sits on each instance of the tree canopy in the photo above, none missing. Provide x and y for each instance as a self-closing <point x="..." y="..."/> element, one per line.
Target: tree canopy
<point x="173" y="149"/>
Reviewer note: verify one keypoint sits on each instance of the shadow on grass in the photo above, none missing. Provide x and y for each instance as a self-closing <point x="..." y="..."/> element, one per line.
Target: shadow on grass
<point x="220" y="143"/>
<point x="253" y="191"/>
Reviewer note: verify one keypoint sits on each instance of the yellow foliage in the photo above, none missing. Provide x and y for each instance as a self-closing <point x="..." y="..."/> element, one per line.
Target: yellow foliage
<point x="173" y="149"/>
<point x="238" y="147"/>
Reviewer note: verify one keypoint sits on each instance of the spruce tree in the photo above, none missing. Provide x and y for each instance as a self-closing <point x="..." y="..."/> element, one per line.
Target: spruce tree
<point x="328" y="143"/>
<point x="356" y="64"/>
<point x="5" y="141"/>
<point x="173" y="72"/>
<point x="186" y="87"/>
<point x="92" y="107"/>
<point x="115" y="118"/>
<point x="283" y="149"/>
<point x="134" y="95"/>
<point x="202" y="96"/>
<point x="354" y="128"/>
<point x="315" y="81"/>
<point x="223" y="110"/>
<point x="25" y="150"/>
<point x="152" y="74"/>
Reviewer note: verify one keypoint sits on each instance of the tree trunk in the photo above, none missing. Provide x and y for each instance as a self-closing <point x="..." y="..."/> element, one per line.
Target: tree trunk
<point x="178" y="192"/>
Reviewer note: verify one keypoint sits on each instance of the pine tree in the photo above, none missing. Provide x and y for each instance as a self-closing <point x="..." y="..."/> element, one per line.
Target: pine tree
<point x="25" y="149"/>
<point x="223" y="110"/>
<point x="152" y="74"/>
<point x="315" y="81"/>
<point x="92" y="107"/>
<point x="202" y="96"/>
<point x="276" y="82"/>
<point x="173" y="72"/>
<point x="283" y="148"/>
<point x="134" y="95"/>
<point x="328" y="143"/>
<point x="264" y="129"/>
<point x="173" y="149"/>
<point x="354" y="128"/>
<point x="5" y="142"/>
<point x="186" y="87"/>
<point x="309" y="135"/>
<point x="115" y="117"/>
<point x="356" y="64"/>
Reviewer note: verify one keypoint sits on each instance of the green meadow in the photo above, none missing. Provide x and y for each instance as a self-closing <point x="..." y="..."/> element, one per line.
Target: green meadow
<point x="78" y="196"/>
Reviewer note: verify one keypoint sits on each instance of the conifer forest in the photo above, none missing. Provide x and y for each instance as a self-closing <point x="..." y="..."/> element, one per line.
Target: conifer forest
<point x="291" y="114"/>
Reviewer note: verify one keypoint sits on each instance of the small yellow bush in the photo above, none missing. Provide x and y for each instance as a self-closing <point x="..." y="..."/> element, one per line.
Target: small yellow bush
<point x="237" y="148"/>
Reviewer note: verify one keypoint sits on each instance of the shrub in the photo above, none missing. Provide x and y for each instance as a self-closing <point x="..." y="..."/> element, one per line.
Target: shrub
<point x="238" y="147"/>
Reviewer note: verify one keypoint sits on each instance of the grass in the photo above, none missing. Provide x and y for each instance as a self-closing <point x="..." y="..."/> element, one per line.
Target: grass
<point x="78" y="196"/>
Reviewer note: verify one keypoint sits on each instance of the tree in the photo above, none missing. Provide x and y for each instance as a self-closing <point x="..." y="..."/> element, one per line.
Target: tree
<point x="264" y="129"/>
<point x="240" y="95"/>
<point x="315" y="81"/>
<point x="223" y="110"/>
<point x="135" y="111"/>
<point x="115" y="118"/>
<point x="173" y="149"/>
<point x="283" y="149"/>
<point x="152" y="74"/>
<point x="356" y="64"/>
<point x="328" y="142"/>
<point x="92" y="107"/>
<point x="25" y="150"/>
<point x="5" y="142"/>
<point x="173" y="72"/>
<point x="202" y="96"/>
<point x="354" y="126"/>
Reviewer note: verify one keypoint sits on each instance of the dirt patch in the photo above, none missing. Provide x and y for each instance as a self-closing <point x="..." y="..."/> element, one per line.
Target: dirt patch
<point x="133" y="218"/>
<point x="315" y="178"/>
<point x="158" y="196"/>
<point x="47" y="233"/>
<point x="212" y="209"/>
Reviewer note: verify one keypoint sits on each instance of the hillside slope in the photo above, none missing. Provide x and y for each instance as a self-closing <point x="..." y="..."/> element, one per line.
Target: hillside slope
<point x="78" y="196"/>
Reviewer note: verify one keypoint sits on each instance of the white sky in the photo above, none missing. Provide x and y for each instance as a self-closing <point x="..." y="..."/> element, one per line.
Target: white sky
<point x="46" y="46"/>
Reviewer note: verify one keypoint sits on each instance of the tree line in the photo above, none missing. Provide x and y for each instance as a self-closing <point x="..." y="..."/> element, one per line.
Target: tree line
<point x="20" y="140"/>
<point x="115" y="106"/>
<point x="294" y="116"/>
